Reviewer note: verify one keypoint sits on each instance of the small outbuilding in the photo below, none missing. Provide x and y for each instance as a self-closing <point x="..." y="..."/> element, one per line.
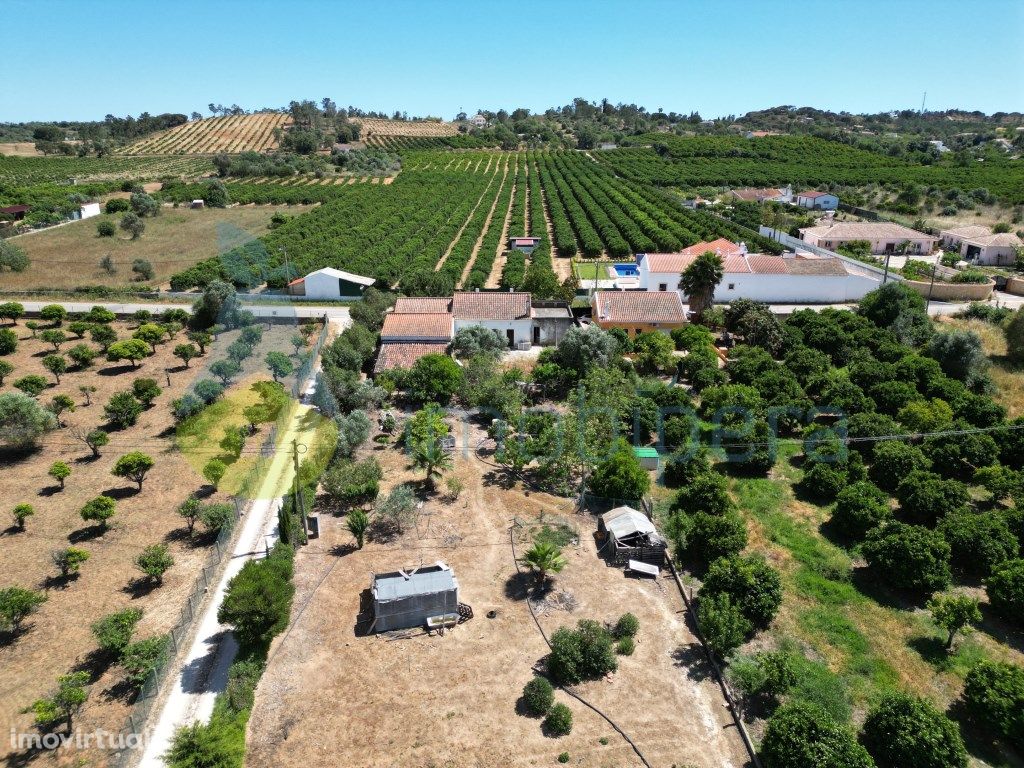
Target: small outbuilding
<point x="16" y="212"/>
<point x="415" y="597"/>
<point x="88" y="210"/>
<point x="647" y="456"/>
<point x="630" y="535"/>
<point x="330" y="283"/>
<point x="524" y="244"/>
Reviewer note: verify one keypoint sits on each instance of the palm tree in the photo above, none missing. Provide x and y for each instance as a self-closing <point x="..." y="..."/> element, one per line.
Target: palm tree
<point x="699" y="281"/>
<point x="357" y="523"/>
<point x="429" y="455"/>
<point x="544" y="558"/>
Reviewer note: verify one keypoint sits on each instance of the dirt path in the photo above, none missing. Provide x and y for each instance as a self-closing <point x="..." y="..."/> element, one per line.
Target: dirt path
<point x="561" y="265"/>
<point x="487" y="225"/>
<point x="500" y="257"/>
<point x="469" y="218"/>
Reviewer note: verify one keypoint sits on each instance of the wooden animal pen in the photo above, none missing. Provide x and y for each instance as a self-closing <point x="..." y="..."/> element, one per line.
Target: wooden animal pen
<point x="630" y="535"/>
<point x="415" y="597"/>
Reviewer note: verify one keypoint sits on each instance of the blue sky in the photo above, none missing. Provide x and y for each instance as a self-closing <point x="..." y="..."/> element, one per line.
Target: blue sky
<point x="81" y="60"/>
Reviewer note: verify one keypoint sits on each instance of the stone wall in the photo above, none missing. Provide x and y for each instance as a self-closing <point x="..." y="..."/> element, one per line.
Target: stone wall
<point x="952" y="291"/>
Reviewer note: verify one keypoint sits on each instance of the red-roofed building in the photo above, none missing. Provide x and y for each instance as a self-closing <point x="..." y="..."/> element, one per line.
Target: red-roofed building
<point x="402" y="355"/>
<point x="413" y="327"/>
<point x="638" y="311"/>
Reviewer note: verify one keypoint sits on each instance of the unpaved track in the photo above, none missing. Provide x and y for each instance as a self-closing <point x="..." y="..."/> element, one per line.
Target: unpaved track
<point x="494" y="279"/>
<point x="469" y="218"/>
<point x="487" y="225"/>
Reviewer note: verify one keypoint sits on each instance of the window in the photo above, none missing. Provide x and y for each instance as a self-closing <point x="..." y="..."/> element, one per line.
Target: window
<point x="662" y="286"/>
<point x="732" y="286"/>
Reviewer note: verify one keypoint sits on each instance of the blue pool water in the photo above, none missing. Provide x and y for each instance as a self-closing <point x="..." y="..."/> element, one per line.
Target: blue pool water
<point x="626" y="270"/>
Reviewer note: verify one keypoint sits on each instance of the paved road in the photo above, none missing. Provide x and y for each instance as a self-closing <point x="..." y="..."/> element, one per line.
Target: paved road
<point x="935" y="308"/>
<point x="264" y="311"/>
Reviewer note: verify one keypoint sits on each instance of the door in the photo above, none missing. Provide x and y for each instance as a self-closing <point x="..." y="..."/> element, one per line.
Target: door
<point x="511" y="337"/>
<point x="536" y="335"/>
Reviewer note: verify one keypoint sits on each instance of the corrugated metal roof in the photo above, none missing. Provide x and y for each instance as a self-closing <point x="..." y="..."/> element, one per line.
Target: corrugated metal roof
<point x="623" y="521"/>
<point x="428" y="580"/>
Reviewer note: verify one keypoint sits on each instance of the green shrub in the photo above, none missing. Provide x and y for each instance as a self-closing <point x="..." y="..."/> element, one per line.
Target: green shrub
<point x="994" y="695"/>
<point x="801" y="735"/>
<point x="563" y="757"/>
<point x="1005" y="589"/>
<point x="559" y="720"/>
<point x="581" y="654"/>
<point x="909" y="557"/>
<point x="538" y="696"/>
<point x="114" y="631"/>
<point x="627" y="626"/>
<point x="902" y="731"/>
<point x="625" y="646"/>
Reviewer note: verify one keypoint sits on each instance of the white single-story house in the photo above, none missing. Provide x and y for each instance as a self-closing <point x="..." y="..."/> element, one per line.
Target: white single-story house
<point x="884" y="237"/>
<point x="478" y="120"/>
<point x="822" y="201"/>
<point x="88" y="210"/>
<point x="330" y="283"/>
<point x="789" y="279"/>
<point x="980" y="245"/>
<point x="507" y="313"/>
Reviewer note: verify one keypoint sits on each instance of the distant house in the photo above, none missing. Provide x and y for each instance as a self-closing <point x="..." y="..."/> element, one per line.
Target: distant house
<point x="524" y="244"/>
<point x="16" y="212"/>
<point x="752" y="195"/>
<point x="607" y="145"/>
<point x="980" y="245"/>
<point x="88" y="210"/>
<point x="939" y="145"/>
<point x="822" y="201"/>
<point x="478" y="120"/>
<point x="884" y="237"/>
<point x="638" y="312"/>
<point x="330" y="283"/>
<point x="197" y="204"/>
<point x="415" y="597"/>
<point x="760" y="134"/>
<point x="763" y="277"/>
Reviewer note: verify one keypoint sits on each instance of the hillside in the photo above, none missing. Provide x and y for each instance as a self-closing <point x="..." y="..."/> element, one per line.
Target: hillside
<point x="232" y="134"/>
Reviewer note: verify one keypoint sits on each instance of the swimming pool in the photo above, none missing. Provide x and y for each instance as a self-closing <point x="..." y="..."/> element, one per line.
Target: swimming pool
<point x="626" y="270"/>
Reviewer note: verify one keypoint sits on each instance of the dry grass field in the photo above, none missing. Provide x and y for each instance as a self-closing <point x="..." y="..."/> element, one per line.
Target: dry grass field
<point x="333" y="694"/>
<point x="69" y="256"/>
<point x="58" y="638"/>
<point x="20" y="149"/>
<point x="236" y="133"/>
<point x="1009" y="381"/>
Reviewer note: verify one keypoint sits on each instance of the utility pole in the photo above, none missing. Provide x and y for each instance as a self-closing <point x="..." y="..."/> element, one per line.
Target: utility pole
<point x="296" y="491"/>
<point x="287" y="269"/>
<point x="928" y="303"/>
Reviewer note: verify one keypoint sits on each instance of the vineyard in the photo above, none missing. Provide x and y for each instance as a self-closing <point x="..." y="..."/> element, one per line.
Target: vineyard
<point x="27" y="171"/>
<point x="720" y="161"/>
<point x="233" y="134"/>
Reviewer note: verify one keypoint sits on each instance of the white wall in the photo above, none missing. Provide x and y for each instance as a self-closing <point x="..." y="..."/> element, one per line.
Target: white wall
<point x="922" y="247"/>
<point x="775" y="289"/>
<point x="824" y="202"/>
<point x="522" y="328"/>
<point x="322" y="286"/>
<point x="90" y="209"/>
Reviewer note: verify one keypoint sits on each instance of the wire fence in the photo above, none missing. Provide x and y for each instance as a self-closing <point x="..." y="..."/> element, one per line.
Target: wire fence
<point x="178" y="636"/>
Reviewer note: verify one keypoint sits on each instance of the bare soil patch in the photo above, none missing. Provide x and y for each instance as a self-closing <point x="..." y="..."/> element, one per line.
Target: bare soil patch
<point x="332" y="694"/>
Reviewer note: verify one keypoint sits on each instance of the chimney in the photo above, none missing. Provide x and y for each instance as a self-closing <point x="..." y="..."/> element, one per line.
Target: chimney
<point x="743" y="249"/>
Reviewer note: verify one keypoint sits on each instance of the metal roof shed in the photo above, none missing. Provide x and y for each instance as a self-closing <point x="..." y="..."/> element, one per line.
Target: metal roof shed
<point x="632" y="536"/>
<point x="409" y="598"/>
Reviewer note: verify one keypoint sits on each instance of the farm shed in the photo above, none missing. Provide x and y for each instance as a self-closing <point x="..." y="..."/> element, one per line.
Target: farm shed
<point x="88" y="210"/>
<point x="17" y="212"/>
<point x="409" y="598"/>
<point x="524" y="244"/>
<point x="630" y="535"/>
<point x="329" y="283"/>
<point x="551" y="321"/>
<point x="647" y="456"/>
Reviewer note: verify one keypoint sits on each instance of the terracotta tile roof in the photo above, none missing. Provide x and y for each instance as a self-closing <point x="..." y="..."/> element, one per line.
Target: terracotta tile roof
<point x="422" y="305"/>
<point x="399" y="355"/>
<point x="720" y="246"/>
<point x="823" y="267"/>
<point x="416" y="327"/>
<point x="756" y="195"/>
<point x="983" y="236"/>
<point x="468" y="305"/>
<point x="763" y="264"/>
<point x="865" y="230"/>
<point x="662" y="307"/>
<point x="678" y="262"/>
